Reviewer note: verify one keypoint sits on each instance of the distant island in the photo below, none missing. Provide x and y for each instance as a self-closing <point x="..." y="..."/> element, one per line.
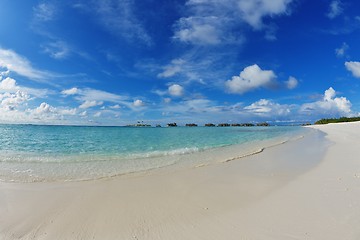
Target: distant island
<point x="174" y="124"/>
<point x="337" y="120"/>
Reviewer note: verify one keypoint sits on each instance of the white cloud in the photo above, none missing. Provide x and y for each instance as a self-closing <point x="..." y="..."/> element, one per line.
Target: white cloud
<point x="45" y="113"/>
<point x="44" y="12"/>
<point x="189" y="107"/>
<point x="71" y="91"/>
<point x="254" y="11"/>
<point x="16" y="106"/>
<point x="291" y="83"/>
<point x="172" y="69"/>
<point x="138" y="103"/>
<point x="97" y="114"/>
<point x="89" y="94"/>
<point x="92" y="97"/>
<point x="270" y="32"/>
<point x="176" y="90"/>
<point x="340" y="52"/>
<point x="335" y="9"/>
<point x="354" y="68"/>
<point x="4" y="74"/>
<point x="211" y="22"/>
<point x="57" y="50"/>
<point x="20" y="65"/>
<point x="167" y="100"/>
<point x="198" y="30"/>
<point x="89" y="104"/>
<point x="268" y="108"/>
<point x="65" y="111"/>
<point x="44" y="108"/>
<point x="11" y="101"/>
<point x="8" y="84"/>
<point x="195" y="66"/>
<point x="117" y="106"/>
<point x="251" y="78"/>
<point x="119" y="18"/>
<point x="330" y="105"/>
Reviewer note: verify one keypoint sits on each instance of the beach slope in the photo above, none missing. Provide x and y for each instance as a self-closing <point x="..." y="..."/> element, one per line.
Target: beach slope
<point x="308" y="188"/>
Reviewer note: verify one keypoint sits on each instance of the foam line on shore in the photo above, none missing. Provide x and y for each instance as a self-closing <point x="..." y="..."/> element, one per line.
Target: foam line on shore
<point x="260" y="150"/>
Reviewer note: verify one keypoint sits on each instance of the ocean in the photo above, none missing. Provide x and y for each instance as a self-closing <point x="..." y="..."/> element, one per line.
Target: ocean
<point x="32" y="153"/>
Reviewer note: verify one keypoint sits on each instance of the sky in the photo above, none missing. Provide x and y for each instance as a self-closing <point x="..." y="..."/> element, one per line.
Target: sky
<point x="119" y="62"/>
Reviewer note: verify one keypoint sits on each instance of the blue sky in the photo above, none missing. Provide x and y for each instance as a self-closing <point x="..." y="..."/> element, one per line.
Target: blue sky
<point x="116" y="62"/>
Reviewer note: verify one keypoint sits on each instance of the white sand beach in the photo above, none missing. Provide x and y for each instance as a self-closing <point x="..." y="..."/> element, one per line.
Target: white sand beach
<point x="304" y="189"/>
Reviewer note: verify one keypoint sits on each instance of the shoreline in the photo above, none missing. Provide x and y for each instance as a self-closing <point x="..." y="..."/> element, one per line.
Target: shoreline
<point x="287" y="191"/>
<point x="74" y="168"/>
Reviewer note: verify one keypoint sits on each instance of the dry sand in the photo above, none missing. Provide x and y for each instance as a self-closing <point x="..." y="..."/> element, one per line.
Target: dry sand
<point x="297" y="190"/>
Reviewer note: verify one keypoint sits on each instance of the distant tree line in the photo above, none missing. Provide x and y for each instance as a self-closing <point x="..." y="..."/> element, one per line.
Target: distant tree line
<point x="337" y="120"/>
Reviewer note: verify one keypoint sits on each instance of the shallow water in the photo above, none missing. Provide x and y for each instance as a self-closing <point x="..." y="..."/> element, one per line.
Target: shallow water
<point x="31" y="153"/>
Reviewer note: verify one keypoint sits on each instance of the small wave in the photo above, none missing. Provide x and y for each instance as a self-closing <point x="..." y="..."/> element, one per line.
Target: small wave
<point x="245" y="155"/>
<point x="153" y="154"/>
<point x="79" y="158"/>
<point x="260" y="150"/>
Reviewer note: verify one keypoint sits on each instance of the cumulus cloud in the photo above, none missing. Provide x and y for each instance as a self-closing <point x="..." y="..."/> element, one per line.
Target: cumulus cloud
<point x="251" y="78"/>
<point x="11" y="101"/>
<point x="16" y="105"/>
<point x="354" y="68"/>
<point x="335" y="9"/>
<point x="45" y="113"/>
<point x="291" y="83"/>
<point x="8" y="84"/>
<point x="44" y="108"/>
<point x="176" y="90"/>
<point x="71" y="91"/>
<point x="341" y="52"/>
<point x="138" y="103"/>
<point x="13" y="96"/>
<point x="20" y="65"/>
<point x="268" y="108"/>
<point x="330" y="105"/>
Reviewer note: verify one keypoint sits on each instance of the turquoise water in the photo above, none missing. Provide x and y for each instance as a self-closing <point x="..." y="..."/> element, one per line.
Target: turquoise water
<point x="66" y="153"/>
